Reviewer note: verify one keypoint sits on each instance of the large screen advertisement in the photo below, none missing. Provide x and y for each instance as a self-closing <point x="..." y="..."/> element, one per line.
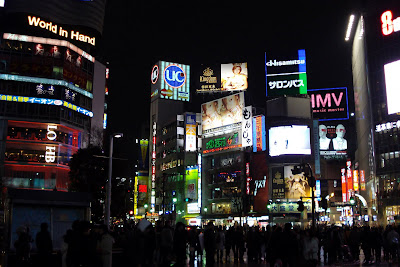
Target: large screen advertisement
<point x="332" y="140"/>
<point x="286" y="75"/>
<point x="296" y="185"/>
<point x="286" y="185"/>
<point x="289" y="140"/>
<point x="392" y="80"/>
<point x="225" y="77"/>
<point x="222" y="114"/>
<point x="170" y="81"/>
<point x="329" y="104"/>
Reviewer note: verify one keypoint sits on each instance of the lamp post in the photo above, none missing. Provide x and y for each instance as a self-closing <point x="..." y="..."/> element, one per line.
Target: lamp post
<point x="108" y="197"/>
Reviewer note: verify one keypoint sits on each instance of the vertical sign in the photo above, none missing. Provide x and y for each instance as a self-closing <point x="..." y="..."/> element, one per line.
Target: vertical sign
<point x="318" y="188"/>
<point x="190" y="132"/>
<point x="344" y="185"/>
<point x="349" y="176"/>
<point x="199" y="181"/>
<point x="316" y="147"/>
<point x="362" y="180"/>
<point x="50" y="155"/>
<point x="259" y="136"/>
<point x="355" y="180"/>
<point x="153" y="168"/>
<point x="247" y="129"/>
<point x="248" y="178"/>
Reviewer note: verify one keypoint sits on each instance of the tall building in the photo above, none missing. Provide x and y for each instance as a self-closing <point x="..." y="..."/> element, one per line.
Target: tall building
<point x="374" y="34"/>
<point x="51" y="90"/>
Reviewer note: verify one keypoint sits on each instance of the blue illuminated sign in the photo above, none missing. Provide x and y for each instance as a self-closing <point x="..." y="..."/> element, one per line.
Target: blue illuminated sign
<point x="174" y="76"/>
<point x="45" y="101"/>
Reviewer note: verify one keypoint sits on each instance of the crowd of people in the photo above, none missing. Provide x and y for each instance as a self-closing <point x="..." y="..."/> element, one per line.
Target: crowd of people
<point x="143" y="244"/>
<point x="85" y="245"/>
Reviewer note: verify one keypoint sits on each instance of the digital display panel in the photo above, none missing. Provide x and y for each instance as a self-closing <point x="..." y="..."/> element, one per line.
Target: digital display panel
<point x="296" y="185"/>
<point x="329" y="104"/>
<point x="332" y="140"/>
<point x="218" y="114"/>
<point x="222" y="143"/>
<point x="286" y="75"/>
<point x="222" y="77"/>
<point x="392" y="80"/>
<point x="289" y="140"/>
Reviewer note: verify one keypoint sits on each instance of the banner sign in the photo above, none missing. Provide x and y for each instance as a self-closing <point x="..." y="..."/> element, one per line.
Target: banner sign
<point x="247" y="129"/>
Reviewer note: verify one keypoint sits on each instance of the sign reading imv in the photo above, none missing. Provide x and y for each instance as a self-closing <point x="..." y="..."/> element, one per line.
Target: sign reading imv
<point x="329" y="103"/>
<point x="50" y="155"/>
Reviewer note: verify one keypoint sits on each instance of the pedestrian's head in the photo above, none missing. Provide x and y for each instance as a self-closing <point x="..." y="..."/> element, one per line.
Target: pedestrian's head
<point x="103" y="229"/>
<point x="210" y="225"/>
<point x="44" y="226"/>
<point x="288" y="226"/>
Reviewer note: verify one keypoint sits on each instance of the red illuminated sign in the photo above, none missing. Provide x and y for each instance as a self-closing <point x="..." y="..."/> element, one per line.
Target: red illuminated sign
<point x="142" y="188"/>
<point x="259" y="143"/>
<point x="362" y="180"/>
<point x="389" y="25"/>
<point x="344" y="185"/>
<point x="248" y="179"/>
<point x="349" y="176"/>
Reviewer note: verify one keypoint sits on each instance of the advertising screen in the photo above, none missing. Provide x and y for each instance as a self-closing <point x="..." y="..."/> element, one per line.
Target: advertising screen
<point x="289" y="140"/>
<point x="332" y="140"/>
<point x="225" y="77"/>
<point x="221" y="113"/>
<point x="392" y="80"/>
<point x="329" y="104"/>
<point x="296" y="185"/>
<point x="170" y="81"/>
<point x="286" y="75"/>
<point x="222" y="143"/>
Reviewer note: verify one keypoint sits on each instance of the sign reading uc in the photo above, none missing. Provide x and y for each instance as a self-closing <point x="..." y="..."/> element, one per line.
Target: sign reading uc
<point x="174" y="76"/>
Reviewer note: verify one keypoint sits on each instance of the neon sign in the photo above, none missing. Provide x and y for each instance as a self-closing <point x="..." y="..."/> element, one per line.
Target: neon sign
<point x="174" y="76"/>
<point x="389" y="25"/>
<point x="45" y="101"/>
<point x="222" y="143"/>
<point x="50" y="155"/>
<point x="38" y="22"/>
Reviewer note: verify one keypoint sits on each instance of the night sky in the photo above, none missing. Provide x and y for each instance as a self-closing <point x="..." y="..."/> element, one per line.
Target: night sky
<point x="139" y="33"/>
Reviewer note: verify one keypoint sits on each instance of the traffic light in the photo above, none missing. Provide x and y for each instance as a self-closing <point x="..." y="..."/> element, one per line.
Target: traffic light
<point x="188" y="199"/>
<point x="174" y="199"/>
<point x="131" y="212"/>
<point x="301" y="205"/>
<point x="352" y="201"/>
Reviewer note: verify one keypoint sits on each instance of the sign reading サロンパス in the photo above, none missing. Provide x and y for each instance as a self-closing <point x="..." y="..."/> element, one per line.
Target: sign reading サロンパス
<point x="286" y="75"/>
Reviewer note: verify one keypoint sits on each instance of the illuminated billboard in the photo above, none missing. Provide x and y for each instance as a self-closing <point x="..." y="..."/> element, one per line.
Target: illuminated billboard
<point x="289" y="140"/>
<point x="45" y="101"/>
<point x="286" y="185"/>
<point x="286" y="75"/>
<point x="222" y="77"/>
<point x="392" y="80"/>
<point x="329" y="104"/>
<point x="170" y="81"/>
<point x="222" y="114"/>
<point x="332" y="140"/>
<point x="222" y="143"/>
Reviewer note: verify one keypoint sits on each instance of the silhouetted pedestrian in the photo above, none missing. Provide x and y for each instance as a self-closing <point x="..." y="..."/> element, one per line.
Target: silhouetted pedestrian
<point x="209" y="244"/>
<point x="44" y="246"/>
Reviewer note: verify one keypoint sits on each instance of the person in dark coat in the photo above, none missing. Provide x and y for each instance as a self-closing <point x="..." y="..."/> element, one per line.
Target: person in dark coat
<point x="180" y="241"/>
<point x="44" y="245"/>
<point x="209" y="244"/>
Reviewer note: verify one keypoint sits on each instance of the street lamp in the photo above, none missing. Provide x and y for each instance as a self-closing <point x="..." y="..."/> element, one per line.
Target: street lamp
<point x="108" y="197"/>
